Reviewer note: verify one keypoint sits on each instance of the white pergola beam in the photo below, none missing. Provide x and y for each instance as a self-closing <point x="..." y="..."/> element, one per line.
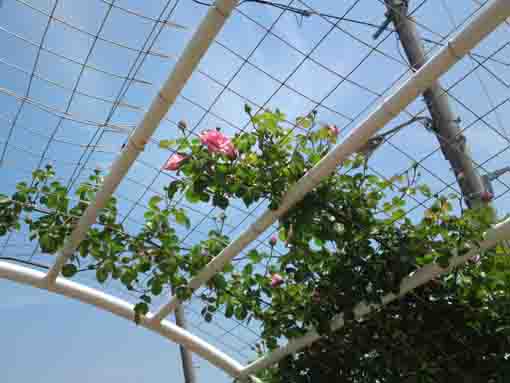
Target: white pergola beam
<point x="499" y="232"/>
<point x="121" y="308"/>
<point x="195" y="50"/>
<point x="486" y="21"/>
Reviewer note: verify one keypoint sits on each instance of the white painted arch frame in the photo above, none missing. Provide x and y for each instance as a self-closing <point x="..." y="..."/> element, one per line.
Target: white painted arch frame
<point x="121" y="308"/>
<point x="488" y="19"/>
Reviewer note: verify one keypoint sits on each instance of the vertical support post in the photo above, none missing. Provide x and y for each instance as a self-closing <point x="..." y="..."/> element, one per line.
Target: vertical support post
<point x="186" y="357"/>
<point x="445" y="123"/>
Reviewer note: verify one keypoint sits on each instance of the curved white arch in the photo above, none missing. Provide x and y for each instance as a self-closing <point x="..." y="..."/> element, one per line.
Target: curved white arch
<point x="123" y="309"/>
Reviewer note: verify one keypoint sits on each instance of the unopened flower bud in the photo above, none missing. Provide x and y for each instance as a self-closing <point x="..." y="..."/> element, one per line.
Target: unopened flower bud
<point x="276" y="280"/>
<point x="486" y="196"/>
<point x="182" y="125"/>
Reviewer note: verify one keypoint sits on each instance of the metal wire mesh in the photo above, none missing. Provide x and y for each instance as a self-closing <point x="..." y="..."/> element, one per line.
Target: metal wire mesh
<point x="76" y="78"/>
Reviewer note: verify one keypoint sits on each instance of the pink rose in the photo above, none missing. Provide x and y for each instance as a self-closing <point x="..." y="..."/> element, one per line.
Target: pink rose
<point x="475" y="259"/>
<point x="333" y="130"/>
<point x="486" y="196"/>
<point x="276" y="280"/>
<point x="217" y="142"/>
<point x="175" y="161"/>
<point x="272" y="241"/>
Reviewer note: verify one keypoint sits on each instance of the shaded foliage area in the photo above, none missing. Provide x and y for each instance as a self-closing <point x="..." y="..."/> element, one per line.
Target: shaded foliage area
<point x="428" y="336"/>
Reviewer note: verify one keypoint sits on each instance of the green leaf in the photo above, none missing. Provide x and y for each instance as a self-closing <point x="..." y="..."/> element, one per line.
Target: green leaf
<point x="248" y="269"/>
<point x="167" y="144"/>
<point x="157" y="287"/>
<point x="229" y="311"/>
<point x="397" y="201"/>
<point x="101" y="275"/>
<point x="191" y="196"/>
<point x="443" y="261"/>
<point x="47" y="244"/>
<point x="183" y="293"/>
<point x="318" y="242"/>
<point x="4" y="200"/>
<point x="144" y="266"/>
<point x="219" y="282"/>
<point x="128" y="277"/>
<point x="173" y="188"/>
<point x="398" y="214"/>
<point x="181" y="218"/>
<point x="304" y="122"/>
<point x="154" y="201"/>
<point x="254" y="256"/>
<point x="425" y="190"/>
<point x="240" y="313"/>
<point x="220" y="201"/>
<point x="69" y="270"/>
<point x="141" y="309"/>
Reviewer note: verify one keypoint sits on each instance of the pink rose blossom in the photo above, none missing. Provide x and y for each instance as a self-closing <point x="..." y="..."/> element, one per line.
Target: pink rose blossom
<point x="217" y="142"/>
<point x="175" y="161"/>
<point x="475" y="259"/>
<point x="486" y="196"/>
<point x="276" y="280"/>
<point x="273" y="240"/>
<point x="333" y="130"/>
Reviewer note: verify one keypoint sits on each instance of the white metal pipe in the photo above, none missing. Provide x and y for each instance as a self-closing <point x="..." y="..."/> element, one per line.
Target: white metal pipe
<point x="195" y="50"/>
<point x="121" y="308"/>
<point x="493" y="14"/>
<point x="500" y="232"/>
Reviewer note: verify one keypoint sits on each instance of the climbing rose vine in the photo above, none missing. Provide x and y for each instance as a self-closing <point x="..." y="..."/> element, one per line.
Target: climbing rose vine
<point x="352" y="239"/>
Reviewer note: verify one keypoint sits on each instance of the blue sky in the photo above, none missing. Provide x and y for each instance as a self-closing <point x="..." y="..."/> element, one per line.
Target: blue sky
<point x="48" y="338"/>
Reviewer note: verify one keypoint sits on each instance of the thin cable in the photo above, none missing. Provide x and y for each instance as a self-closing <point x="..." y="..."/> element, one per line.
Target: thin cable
<point x="167" y="23"/>
<point x="92" y="35"/>
<point x="66" y="88"/>
<point x="133" y="70"/>
<point x="71" y="60"/>
<point x="30" y="82"/>
<point x="499" y="120"/>
<point x="65" y="115"/>
<point x="23" y="262"/>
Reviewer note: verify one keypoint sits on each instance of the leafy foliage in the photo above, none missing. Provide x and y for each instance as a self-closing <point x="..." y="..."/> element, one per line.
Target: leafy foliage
<point x="347" y="241"/>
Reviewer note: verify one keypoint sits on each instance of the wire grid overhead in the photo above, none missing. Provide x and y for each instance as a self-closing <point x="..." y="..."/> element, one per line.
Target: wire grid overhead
<point x="76" y="78"/>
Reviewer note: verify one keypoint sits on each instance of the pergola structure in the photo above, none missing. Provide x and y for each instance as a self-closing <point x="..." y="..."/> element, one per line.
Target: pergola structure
<point x="485" y="21"/>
